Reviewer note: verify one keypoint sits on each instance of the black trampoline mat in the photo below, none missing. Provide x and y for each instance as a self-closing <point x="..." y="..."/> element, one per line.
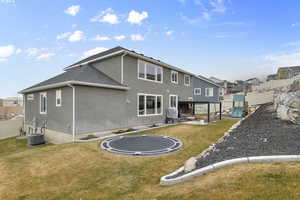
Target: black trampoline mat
<point x="142" y="145"/>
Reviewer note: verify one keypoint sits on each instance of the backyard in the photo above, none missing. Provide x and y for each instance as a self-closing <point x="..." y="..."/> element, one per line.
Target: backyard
<point x="83" y="171"/>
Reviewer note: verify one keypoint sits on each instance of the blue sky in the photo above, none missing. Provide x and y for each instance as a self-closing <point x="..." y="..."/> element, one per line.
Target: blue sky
<point x="228" y="39"/>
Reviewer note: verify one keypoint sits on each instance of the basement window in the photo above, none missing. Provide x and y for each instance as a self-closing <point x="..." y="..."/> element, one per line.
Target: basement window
<point x="58" y="98"/>
<point x="30" y="97"/>
<point x="43" y="103"/>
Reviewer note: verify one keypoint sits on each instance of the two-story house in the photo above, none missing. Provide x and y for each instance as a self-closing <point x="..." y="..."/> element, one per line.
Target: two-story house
<point x="114" y="89"/>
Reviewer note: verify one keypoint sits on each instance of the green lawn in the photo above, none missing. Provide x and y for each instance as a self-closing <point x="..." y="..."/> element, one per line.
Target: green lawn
<point x="83" y="171"/>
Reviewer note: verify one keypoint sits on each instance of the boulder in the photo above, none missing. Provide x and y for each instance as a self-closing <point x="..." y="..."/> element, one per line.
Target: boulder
<point x="190" y="164"/>
<point x="287" y="106"/>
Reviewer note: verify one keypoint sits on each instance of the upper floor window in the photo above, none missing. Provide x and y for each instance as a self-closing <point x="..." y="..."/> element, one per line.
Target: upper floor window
<point x="149" y="71"/>
<point x="209" y="92"/>
<point x="58" y="98"/>
<point x="174" y="77"/>
<point x="197" y="91"/>
<point x="187" y="80"/>
<point x="43" y="103"/>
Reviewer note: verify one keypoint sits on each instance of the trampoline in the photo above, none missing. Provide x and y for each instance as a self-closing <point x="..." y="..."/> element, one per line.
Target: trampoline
<point x="141" y="145"/>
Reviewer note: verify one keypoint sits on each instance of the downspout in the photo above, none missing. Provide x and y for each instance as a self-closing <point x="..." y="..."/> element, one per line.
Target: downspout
<point x="24" y="111"/>
<point x="122" y="67"/>
<point x="73" y="117"/>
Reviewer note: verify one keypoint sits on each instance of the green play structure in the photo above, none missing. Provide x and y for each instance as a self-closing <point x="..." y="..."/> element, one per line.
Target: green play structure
<point x="239" y="106"/>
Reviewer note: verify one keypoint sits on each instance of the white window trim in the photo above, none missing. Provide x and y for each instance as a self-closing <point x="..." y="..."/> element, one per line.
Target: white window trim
<point x="189" y="80"/>
<point x="173" y="95"/>
<point x="145" y="72"/>
<point x="190" y="98"/>
<point x="46" y="106"/>
<point x="174" y="72"/>
<point x="56" y="97"/>
<point x="207" y="92"/>
<point x="197" y="94"/>
<point x="30" y="97"/>
<point x="145" y="104"/>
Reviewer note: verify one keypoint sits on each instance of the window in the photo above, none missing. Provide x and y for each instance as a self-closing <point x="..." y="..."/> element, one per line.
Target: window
<point x="30" y="97"/>
<point x="197" y="91"/>
<point x="209" y="92"/>
<point x="173" y="101"/>
<point x="174" y="77"/>
<point x="149" y="71"/>
<point x="190" y="99"/>
<point x="43" y="103"/>
<point x="142" y="67"/>
<point x="58" y="98"/>
<point x="149" y="104"/>
<point x="187" y="80"/>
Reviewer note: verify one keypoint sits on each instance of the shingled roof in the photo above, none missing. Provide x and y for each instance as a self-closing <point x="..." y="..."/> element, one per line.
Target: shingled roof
<point x="84" y="75"/>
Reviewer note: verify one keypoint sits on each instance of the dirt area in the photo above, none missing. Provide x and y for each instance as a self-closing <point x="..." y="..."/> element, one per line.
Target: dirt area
<point x="261" y="134"/>
<point x="10" y="128"/>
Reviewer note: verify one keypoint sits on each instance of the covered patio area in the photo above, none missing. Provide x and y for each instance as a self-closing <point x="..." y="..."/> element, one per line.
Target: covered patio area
<point x="188" y="108"/>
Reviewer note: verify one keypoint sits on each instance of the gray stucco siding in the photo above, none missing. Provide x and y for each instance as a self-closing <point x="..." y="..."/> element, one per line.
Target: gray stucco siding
<point x="99" y="109"/>
<point x="198" y="83"/>
<point x="111" y="67"/>
<point x="149" y="87"/>
<point x="57" y="118"/>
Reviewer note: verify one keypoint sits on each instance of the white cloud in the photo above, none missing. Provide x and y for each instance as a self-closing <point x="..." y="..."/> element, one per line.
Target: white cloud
<point x="94" y="51"/>
<point x="218" y="6"/>
<point x="32" y="51"/>
<point x="293" y="44"/>
<point x="208" y="9"/>
<point x="284" y="59"/>
<point x="45" y="56"/>
<point x="120" y="37"/>
<point x="18" y="51"/>
<point x="135" y="17"/>
<point x="6" y="51"/>
<point x="100" y="38"/>
<point x="168" y="33"/>
<point x="206" y="15"/>
<point x="72" y="10"/>
<point x="106" y="16"/>
<point x="63" y="35"/>
<point x="76" y="36"/>
<point x="137" y="37"/>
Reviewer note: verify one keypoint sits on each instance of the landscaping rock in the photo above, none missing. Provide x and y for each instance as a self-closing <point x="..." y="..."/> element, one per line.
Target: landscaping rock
<point x="190" y="164"/>
<point x="287" y="106"/>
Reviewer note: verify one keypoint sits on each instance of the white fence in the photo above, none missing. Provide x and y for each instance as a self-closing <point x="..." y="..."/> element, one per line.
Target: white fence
<point x="10" y="128"/>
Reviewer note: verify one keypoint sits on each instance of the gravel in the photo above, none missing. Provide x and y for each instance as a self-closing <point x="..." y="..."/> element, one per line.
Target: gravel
<point x="261" y="134"/>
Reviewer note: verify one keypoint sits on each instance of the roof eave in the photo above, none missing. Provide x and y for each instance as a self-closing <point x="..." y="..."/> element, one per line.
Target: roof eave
<point x="66" y="83"/>
<point x="134" y="54"/>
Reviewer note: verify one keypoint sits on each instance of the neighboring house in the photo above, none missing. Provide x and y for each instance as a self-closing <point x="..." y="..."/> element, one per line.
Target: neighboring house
<point x="288" y="72"/>
<point x="114" y="89"/>
<point x="1" y="102"/>
<point x="253" y="81"/>
<point x="271" y="77"/>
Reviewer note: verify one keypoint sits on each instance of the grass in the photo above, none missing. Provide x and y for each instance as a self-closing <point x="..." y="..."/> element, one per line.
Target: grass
<point x="83" y="171"/>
